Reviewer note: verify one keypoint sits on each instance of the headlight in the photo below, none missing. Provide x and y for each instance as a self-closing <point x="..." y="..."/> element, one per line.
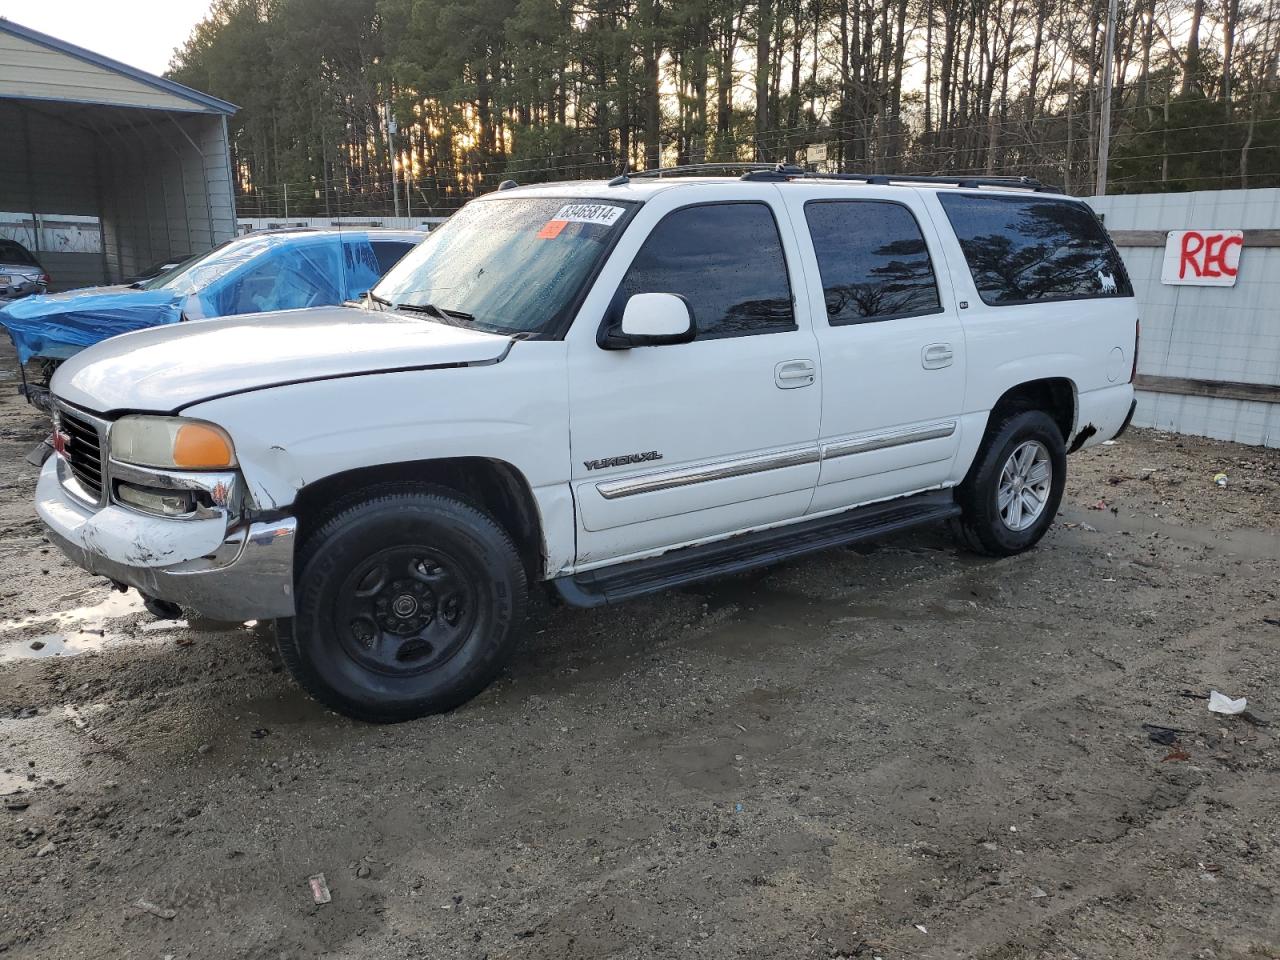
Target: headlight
<point x="171" y="442"/>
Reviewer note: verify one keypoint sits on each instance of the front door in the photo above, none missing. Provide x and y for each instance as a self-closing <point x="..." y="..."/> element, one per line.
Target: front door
<point x="678" y="443"/>
<point x="893" y="351"/>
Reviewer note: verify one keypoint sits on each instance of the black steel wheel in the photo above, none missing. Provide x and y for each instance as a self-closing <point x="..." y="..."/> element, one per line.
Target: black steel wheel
<point x="408" y="603"/>
<point x="405" y="610"/>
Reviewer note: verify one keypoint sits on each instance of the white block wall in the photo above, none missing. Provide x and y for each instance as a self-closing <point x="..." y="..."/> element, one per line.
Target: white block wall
<point x="1207" y="333"/>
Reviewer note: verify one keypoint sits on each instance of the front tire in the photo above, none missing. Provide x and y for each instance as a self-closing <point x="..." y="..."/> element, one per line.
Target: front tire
<point x="408" y="603"/>
<point x="1012" y="492"/>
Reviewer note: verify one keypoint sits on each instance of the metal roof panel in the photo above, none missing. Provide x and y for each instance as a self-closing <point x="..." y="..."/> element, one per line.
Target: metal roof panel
<point x="207" y="102"/>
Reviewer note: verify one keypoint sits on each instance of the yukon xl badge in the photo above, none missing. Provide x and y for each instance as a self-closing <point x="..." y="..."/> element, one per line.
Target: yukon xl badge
<point x="622" y="460"/>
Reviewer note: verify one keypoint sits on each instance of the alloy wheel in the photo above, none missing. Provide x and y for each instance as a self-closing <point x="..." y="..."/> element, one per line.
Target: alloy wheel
<point x="1025" y="482"/>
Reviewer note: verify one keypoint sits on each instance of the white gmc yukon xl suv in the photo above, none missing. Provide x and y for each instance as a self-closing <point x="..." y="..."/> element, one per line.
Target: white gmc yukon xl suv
<point x="612" y="387"/>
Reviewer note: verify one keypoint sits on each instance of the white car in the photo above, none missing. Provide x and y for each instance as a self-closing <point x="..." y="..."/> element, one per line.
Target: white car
<point x="610" y="387"/>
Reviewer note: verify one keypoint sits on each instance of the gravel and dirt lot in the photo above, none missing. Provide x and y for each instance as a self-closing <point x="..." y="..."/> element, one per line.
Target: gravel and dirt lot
<point x="893" y="751"/>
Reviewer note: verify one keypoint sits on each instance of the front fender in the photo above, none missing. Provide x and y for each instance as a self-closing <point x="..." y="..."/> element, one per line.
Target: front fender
<point x="292" y="436"/>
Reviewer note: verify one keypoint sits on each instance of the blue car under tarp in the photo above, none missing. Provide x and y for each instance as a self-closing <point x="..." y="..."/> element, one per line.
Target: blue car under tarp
<point x="252" y="274"/>
<point x="56" y="326"/>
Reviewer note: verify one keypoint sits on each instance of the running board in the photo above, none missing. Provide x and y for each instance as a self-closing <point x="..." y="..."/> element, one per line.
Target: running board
<point x="595" y="588"/>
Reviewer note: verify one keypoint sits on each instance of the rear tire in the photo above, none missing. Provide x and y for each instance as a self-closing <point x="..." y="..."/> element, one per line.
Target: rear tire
<point x="408" y="603"/>
<point x="1011" y="494"/>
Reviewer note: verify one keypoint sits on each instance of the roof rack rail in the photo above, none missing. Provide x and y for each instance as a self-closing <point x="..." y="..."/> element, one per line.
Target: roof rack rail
<point x="782" y="172"/>
<point x="778" y="172"/>
<point x="656" y="172"/>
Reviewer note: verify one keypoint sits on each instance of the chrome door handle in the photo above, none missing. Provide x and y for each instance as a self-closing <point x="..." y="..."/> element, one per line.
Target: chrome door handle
<point x="790" y="374"/>
<point x="936" y="356"/>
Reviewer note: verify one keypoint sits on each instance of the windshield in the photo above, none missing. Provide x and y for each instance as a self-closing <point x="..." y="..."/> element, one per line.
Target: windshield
<point x="155" y="274"/>
<point x="507" y="266"/>
<point x="198" y="272"/>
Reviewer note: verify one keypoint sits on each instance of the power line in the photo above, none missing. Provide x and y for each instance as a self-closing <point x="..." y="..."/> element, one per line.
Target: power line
<point x="781" y="136"/>
<point x="499" y="168"/>
<point x="1020" y="145"/>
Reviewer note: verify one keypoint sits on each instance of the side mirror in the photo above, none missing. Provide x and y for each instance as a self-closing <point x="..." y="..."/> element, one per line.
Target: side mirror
<point x="191" y="307"/>
<point x="651" y="320"/>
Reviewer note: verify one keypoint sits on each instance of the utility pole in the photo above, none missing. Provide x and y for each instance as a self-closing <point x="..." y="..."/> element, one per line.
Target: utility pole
<point x="1104" y="120"/>
<point x="392" y="127"/>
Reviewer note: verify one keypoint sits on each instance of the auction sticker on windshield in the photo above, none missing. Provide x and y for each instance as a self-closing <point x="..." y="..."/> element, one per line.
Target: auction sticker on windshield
<point x="604" y="214"/>
<point x="595" y="214"/>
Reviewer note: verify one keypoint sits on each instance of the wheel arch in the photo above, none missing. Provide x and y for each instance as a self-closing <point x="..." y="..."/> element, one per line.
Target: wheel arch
<point x="495" y="486"/>
<point x="1056" y="396"/>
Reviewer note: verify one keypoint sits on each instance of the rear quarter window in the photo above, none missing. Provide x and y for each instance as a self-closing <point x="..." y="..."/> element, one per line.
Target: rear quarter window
<point x="1034" y="249"/>
<point x="11" y="252"/>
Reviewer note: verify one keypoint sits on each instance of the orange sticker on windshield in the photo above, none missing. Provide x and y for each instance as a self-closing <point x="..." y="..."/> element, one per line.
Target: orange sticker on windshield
<point x="552" y="229"/>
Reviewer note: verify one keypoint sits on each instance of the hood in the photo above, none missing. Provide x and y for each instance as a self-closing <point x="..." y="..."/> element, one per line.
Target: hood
<point x="72" y="299"/>
<point x="168" y="368"/>
<point x="58" y="325"/>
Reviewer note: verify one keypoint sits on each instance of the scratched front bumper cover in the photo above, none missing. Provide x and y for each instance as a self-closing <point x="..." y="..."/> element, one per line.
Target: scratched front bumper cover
<point x="245" y="573"/>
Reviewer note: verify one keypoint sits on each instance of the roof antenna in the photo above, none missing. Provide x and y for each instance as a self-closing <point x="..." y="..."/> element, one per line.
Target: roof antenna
<point x="623" y="177"/>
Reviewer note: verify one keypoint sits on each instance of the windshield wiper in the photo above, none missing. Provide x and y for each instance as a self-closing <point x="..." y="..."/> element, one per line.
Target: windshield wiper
<point x="440" y="313"/>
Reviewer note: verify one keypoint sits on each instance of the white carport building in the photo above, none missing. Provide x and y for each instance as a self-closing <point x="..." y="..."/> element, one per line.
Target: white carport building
<point x="83" y="136"/>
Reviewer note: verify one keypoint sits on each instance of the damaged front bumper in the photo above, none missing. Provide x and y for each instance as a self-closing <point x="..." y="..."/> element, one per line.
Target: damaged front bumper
<point x="237" y="572"/>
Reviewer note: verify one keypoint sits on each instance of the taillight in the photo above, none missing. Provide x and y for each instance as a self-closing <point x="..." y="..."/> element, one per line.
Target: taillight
<point x="1137" y="337"/>
<point x="46" y="279"/>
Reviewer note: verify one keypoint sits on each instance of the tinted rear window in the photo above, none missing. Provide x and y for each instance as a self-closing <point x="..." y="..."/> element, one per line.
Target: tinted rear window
<point x="873" y="261"/>
<point x="1028" y="249"/>
<point x="11" y="252"/>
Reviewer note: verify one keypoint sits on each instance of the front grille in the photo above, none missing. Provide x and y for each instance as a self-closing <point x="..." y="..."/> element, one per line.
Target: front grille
<point x="83" y="452"/>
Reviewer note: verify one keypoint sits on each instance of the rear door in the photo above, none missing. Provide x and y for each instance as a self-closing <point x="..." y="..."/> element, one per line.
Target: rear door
<point x="678" y="443"/>
<point x="893" y="351"/>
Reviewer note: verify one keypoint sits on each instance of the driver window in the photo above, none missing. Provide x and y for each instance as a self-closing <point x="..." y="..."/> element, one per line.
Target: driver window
<point x="726" y="261"/>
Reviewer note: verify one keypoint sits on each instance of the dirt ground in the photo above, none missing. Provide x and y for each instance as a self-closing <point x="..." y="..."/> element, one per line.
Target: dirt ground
<point x="892" y="751"/>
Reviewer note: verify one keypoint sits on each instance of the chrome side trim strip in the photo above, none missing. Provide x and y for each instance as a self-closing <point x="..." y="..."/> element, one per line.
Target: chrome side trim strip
<point x="881" y="441"/>
<point x="685" y="476"/>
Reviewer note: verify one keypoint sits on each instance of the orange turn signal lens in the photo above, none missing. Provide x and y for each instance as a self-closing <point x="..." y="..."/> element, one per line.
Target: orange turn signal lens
<point x="200" y="446"/>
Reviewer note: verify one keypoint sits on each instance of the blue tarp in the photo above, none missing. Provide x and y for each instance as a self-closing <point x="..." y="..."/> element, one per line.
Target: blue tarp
<point x="61" y="324"/>
<point x="250" y="275"/>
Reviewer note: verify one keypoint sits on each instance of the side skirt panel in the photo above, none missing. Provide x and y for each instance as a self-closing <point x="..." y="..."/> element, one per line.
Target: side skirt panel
<point x="749" y="551"/>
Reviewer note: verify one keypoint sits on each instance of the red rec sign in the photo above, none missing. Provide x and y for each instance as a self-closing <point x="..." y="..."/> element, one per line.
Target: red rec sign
<point x="1208" y="258"/>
